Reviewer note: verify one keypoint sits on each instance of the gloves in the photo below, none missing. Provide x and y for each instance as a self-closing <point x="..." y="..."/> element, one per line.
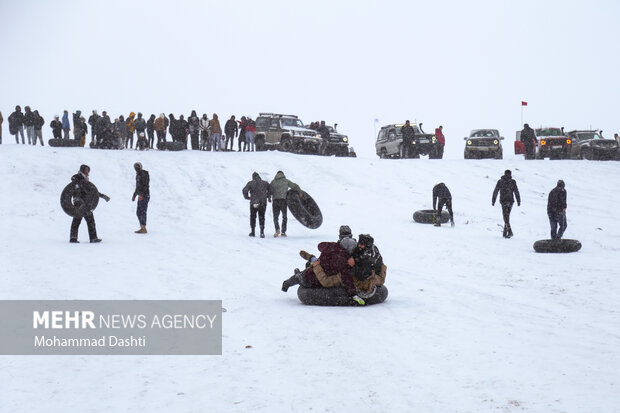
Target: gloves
<point x="492" y="203"/>
<point x="133" y="198"/>
<point x="107" y="198"/>
<point x="518" y="203"/>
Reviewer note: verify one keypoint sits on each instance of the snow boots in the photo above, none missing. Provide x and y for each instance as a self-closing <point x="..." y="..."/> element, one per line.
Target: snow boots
<point x="142" y="230"/>
<point x="296" y="279"/>
<point x="277" y="234"/>
<point x="507" y="231"/>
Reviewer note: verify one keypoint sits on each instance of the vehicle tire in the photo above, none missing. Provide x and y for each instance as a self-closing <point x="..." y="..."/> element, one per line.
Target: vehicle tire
<point x="82" y="207"/>
<point x="172" y="146"/>
<point x="286" y="145"/>
<point x="557" y="245"/>
<point x="426" y="216"/>
<point x="401" y="151"/>
<point x="383" y="153"/>
<point x="352" y="155"/>
<point x="305" y="210"/>
<point x="63" y="143"/>
<point x="337" y="296"/>
<point x="499" y="155"/>
<point x="466" y="155"/>
<point x="260" y="144"/>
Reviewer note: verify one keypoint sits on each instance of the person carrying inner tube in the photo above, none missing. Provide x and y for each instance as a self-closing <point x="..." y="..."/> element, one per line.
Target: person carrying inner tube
<point x="79" y="180"/>
<point x="279" y="187"/>
<point x="556" y="210"/>
<point x="442" y="192"/>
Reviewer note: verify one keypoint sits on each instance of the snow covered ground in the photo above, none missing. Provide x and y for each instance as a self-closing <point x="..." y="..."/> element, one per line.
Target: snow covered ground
<point x="473" y="323"/>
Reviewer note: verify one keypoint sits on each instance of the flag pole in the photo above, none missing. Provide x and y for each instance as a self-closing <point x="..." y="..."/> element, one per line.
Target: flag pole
<point x="521" y="115"/>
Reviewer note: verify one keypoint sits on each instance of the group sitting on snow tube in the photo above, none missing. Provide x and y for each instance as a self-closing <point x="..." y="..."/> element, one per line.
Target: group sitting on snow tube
<point x="346" y="273"/>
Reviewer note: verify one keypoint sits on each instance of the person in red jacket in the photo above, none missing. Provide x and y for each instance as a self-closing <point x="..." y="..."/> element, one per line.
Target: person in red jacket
<point x="441" y="140"/>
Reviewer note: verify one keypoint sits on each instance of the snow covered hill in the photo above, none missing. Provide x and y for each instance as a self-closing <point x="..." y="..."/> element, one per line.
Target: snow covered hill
<point x="473" y="323"/>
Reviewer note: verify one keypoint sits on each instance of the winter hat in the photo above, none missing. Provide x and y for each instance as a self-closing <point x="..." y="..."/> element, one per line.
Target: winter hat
<point x="366" y="240"/>
<point x="83" y="168"/>
<point x="137" y="166"/>
<point x="507" y="172"/>
<point x="78" y="112"/>
<point x="561" y="183"/>
<point x="345" y="232"/>
<point x="255" y="175"/>
<point x="142" y="134"/>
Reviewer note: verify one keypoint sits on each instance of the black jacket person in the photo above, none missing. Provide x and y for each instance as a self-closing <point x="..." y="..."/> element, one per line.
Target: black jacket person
<point x="144" y="195"/>
<point x="80" y="194"/>
<point x="556" y="210"/>
<point x="508" y="191"/>
<point x="258" y="192"/>
<point x="442" y="193"/>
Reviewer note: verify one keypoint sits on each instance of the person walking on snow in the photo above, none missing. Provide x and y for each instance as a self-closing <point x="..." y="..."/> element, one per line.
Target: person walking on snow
<point x="144" y="195"/>
<point x="507" y="188"/>
<point x="441" y="192"/>
<point x="279" y="188"/>
<point x="258" y="192"/>
<point x="556" y="210"/>
<point x="79" y="181"/>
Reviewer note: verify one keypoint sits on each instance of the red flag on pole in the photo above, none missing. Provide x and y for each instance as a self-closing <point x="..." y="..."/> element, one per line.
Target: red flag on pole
<point x="523" y="103"/>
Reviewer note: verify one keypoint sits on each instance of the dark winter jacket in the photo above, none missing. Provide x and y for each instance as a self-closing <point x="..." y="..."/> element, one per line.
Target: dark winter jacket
<point x="38" y="122"/>
<point x="194" y="124"/>
<point x="92" y="121"/>
<point x="56" y="126"/>
<point x="16" y="119"/>
<point x="120" y="129"/>
<point x="101" y="125"/>
<point x="81" y="128"/>
<point x="528" y="135"/>
<point x="557" y="200"/>
<point x="324" y="132"/>
<point x="150" y="124"/>
<point x="506" y="186"/>
<point x="280" y="186"/>
<point x="230" y="128"/>
<point x="142" y="183"/>
<point x="140" y="124"/>
<point x="367" y="260"/>
<point x="408" y="133"/>
<point x="242" y="126"/>
<point x="440" y="191"/>
<point x="29" y="118"/>
<point x="257" y="190"/>
<point x="80" y="190"/>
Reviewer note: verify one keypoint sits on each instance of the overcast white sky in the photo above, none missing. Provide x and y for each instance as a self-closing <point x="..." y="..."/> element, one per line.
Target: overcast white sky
<point x="464" y="65"/>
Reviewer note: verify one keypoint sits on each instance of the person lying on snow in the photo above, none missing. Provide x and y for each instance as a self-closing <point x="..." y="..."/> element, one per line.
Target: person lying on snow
<point x="335" y="267"/>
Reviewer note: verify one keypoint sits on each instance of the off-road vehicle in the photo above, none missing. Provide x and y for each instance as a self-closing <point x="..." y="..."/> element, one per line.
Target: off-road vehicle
<point x="552" y="143"/>
<point x="590" y="144"/>
<point x="390" y="142"/>
<point x="484" y="143"/>
<point x="338" y="144"/>
<point x="286" y="133"/>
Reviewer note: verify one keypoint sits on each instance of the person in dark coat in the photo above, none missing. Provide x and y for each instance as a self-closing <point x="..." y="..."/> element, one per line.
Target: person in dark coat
<point x="182" y="130"/>
<point x="173" y="127"/>
<point x="144" y="195"/>
<point x="508" y="191"/>
<point x="140" y="128"/>
<point x="194" y="130"/>
<point x="76" y="120"/>
<point x="16" y="124"/>
<point x="231" y="130"/>
<point x="528" y="137"/>
<point x="79" y="180"/>
<point x="333" y="268"/>
<point x="56" y="126"/>
<point x="323" y="130"/>
<point x="150" y="130"/>
<point x="556" y="210"/>
<point x="242" y="125"/>
<point x="258" y="192"/>
<point x="81" y="129"/>
<point x="442" y="193"/>
<point x="29" y="118"/>
<point x="408" y="135"/>
<point x="279" y="188"/>
<point x="38" y="128"/>
<point x="92" y="121"/>
<point x="367" y="257"/>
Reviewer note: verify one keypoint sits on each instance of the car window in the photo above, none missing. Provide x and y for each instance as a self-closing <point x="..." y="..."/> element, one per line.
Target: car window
<point x="588" y="135"/>
<point x="262" y="123"/>
<point x="292" y="122"/>
<point x="275" y="123"/>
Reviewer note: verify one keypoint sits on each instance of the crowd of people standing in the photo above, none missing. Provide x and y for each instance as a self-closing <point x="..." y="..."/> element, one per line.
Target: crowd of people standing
<point x="197" y="133"/>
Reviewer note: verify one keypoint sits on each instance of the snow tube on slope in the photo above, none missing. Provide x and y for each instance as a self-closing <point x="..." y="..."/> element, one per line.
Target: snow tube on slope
<point x="171" y="146"/>
<point x="557" y="245"/>
<point x="305" y="210"/>
<point x="77" y="207"/>
<point x="337" y="296"/>
<point x="65" y="143"/>
<point x="425" y="216"/>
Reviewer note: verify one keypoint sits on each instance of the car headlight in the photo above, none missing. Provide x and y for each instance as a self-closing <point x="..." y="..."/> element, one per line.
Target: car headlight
<point x="434" y="139"/>
<point x="317" y="136"/>
<point x="293" y="133"/>
<point x="495" y="142"/>
<point x="568" y="141"/>
<point x="543" y="143"/>
<point x="469" y="142"/>
<point x="414" y="142"/>
<point x="345" y="139"/>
